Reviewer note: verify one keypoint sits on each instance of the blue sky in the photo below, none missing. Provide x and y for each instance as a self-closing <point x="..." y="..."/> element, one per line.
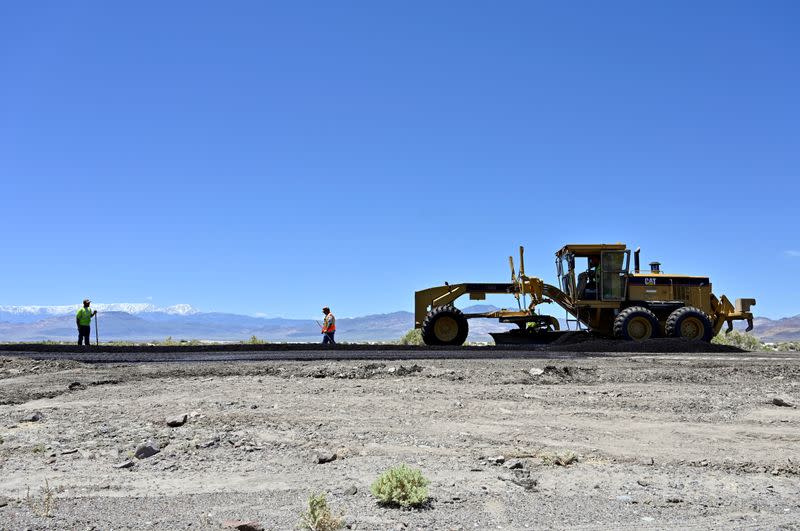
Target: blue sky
<point x="265" y="157"/>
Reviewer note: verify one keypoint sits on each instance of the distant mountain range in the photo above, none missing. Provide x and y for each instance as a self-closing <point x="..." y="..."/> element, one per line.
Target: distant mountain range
<point x="29" y="314"/>
<point x="774" y="330"/>
<point x="147" y="322"/>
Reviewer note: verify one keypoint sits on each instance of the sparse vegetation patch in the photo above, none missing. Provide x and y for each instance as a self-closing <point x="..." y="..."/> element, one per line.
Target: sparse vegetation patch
<point x="564" y="458"/>
<point x="740" y="340"/>
<point x="319" y="517"/>
<point x="401" y="486"/>
<point x="412" y="337"/>
<point x="44" y="503"/>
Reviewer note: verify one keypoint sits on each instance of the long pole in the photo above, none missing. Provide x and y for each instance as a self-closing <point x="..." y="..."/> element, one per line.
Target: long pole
<point x="96" y="331"/>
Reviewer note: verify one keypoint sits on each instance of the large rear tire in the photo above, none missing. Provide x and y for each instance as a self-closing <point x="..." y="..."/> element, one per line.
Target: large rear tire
<point x="445" y="325"/>
<point x="636" y="323"/>
<point x="689" y="323"/>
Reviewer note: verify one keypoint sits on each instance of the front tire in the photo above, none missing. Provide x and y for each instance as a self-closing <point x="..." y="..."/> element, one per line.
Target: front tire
<point x="636" y="323"/>
<point x="689" y="323"/>
<point x="445" y="325"/>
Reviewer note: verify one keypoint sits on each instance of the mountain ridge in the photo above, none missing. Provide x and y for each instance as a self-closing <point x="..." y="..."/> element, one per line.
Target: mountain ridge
<point x="148" y="322"/>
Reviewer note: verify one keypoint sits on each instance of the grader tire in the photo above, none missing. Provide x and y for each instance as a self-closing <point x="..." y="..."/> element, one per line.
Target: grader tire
<point x="445" y="325"/>
<point x="689" y="323"/>
<point x="636" y="323"/>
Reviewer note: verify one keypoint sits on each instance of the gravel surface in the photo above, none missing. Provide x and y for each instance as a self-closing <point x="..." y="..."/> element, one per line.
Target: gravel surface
<point x="660" y="440"/>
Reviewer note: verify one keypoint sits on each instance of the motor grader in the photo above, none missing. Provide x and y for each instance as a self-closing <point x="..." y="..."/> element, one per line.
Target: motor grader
<point x="599" y="294"/>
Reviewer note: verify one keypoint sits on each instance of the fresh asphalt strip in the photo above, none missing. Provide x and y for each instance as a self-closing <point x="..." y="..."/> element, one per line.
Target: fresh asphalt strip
<point x="306" y="352"/>
<point x="179" y="354"/>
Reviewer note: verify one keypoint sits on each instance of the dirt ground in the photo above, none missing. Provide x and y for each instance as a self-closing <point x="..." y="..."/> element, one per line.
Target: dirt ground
<point x="661" y="441"/>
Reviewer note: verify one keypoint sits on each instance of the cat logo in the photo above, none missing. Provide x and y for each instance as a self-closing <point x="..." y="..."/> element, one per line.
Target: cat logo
<point x="649" y="281"/>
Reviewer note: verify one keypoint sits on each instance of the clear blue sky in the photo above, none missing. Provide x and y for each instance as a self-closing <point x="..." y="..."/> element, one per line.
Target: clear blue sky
<point x="265" y="157"/>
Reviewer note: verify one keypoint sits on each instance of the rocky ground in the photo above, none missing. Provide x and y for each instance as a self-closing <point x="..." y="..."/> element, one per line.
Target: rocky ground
<point x="658" y="441"/>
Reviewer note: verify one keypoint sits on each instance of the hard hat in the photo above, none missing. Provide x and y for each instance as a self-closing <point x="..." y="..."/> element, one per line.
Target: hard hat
<point x="86" y="301"/>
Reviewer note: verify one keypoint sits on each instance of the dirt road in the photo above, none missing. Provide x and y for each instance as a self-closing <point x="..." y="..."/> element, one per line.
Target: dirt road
<point x="673" y="440"/>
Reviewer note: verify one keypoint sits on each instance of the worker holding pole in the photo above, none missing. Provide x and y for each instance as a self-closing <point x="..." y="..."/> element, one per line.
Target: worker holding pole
<point x="328" y="327"/>
<point x="84" y="321"/>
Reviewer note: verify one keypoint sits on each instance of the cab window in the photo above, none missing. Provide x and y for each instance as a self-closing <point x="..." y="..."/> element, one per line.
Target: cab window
<point x="613" y="272"/>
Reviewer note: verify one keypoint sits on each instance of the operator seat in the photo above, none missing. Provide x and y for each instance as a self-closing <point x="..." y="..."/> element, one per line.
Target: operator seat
<point x="583" y="279"/>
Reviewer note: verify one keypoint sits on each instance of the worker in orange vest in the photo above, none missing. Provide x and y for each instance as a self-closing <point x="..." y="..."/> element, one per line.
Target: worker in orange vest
<point x="328" y="327"/>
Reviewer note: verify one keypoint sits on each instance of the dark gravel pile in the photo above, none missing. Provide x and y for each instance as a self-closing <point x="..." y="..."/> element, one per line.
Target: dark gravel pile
<point x="663" y="345"/>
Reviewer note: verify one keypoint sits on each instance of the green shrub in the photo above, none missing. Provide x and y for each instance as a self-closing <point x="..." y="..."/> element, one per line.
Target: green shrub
<point x="739" y="339"/>
<point x="402" y="486"/>
<point x="788" y="346"/>
<point x="256" y="341"/>
<point x="412" y="337"/>
<point x="319" y="516"/>
<point x="170" y="342"/>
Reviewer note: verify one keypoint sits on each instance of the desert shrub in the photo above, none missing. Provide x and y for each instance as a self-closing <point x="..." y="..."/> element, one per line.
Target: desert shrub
<point x="170" y="342"/>
<point x="255" y="341"/>
<point x="788" y="346"/>
<point x="738" y="339"/>
<point x="412" y="337"/>
<point x="559" y="458"/>
<point x="319" y="516"/>
<point x="401" y="485"/>
<point x="44" y="503"/>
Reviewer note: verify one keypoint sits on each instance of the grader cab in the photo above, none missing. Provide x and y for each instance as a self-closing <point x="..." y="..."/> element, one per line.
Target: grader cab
<point x="599" y="293"/>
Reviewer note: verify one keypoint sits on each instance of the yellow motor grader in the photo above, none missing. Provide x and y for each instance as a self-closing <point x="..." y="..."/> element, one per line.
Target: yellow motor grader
<point x="599" y="293"/>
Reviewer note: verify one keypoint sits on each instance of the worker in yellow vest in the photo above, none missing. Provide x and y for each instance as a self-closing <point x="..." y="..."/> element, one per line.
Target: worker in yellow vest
<point x="328" y="327"/>
<point x="84" y="321"/>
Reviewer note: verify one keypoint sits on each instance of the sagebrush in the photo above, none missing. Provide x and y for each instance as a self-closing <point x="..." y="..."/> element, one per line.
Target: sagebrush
<point x="739" y="339"/>
<point x="319" y="517"/>
<point x="412" y="337"/>
<point x="44" y="503"/>
<point x="401" y="485"/>
<point x="565" y="458"/>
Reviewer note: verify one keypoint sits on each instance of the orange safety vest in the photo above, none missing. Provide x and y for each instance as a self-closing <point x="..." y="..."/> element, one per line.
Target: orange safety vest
<point x="329" y="323"/>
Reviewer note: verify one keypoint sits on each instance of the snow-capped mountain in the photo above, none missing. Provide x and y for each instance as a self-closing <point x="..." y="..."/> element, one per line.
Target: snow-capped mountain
<point x="35" y="313"/>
